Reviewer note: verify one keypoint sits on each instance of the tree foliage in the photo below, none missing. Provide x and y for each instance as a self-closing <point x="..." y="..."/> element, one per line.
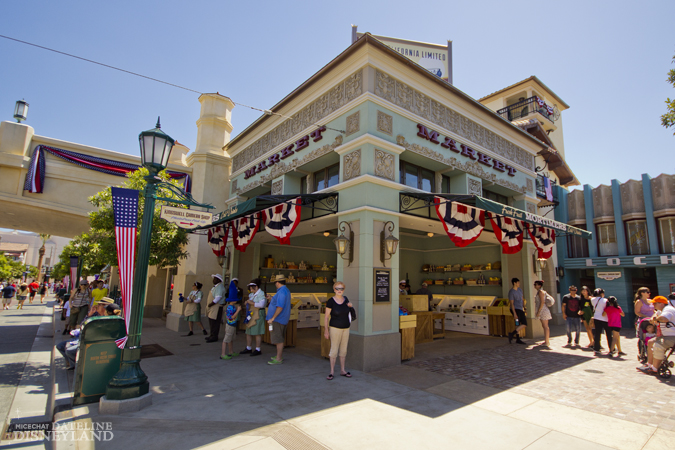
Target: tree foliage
<point x="97" y="247"/>
<point x="668" y="119"/>
<point x="9" y="269"/>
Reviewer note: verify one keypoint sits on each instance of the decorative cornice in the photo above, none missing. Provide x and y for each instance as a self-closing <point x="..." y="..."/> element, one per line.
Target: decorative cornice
<point x="470" y="167"/>
<point x="283" y="167"/>
<point x="370" y="139"/>
<point x="424" y="106"/>
<point x="344" y="92"/>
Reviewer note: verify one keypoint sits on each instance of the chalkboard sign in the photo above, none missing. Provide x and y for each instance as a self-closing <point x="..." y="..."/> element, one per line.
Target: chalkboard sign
<point x="382" y="286"/>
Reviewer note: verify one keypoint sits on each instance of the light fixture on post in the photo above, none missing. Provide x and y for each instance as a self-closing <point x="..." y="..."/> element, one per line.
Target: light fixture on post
<point x="130" y="381"/>
<point x="345" y="245"/>
<point x="388" y="244"/>
<point x="156" y="148"/>
<point x="538" y="262"/>
<point x="20" y="111"/>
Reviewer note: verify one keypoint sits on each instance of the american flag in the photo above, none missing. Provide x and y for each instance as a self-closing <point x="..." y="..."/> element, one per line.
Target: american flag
<point x="125" y="208"/>
<point x="74" y="262"/>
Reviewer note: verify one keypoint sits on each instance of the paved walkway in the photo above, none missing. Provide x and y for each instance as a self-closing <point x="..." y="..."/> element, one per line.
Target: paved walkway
<point x="465" y="391"/>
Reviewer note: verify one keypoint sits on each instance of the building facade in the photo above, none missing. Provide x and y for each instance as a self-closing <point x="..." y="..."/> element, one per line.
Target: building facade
<point x="372" y="137"/>
<point x="633" y="244"/>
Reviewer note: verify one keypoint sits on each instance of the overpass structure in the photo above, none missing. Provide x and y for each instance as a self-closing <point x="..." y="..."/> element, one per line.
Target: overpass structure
<point x="63" y="207"/>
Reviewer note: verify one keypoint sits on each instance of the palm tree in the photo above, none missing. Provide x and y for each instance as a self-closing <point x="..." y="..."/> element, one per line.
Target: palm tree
<point x="41" y="253"/>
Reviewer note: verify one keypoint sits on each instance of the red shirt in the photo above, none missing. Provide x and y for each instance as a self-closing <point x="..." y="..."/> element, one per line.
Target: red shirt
<point x="34" y="286"/>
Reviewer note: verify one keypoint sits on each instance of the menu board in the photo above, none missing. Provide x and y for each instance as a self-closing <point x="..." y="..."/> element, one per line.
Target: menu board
<point x="382" y="285"/>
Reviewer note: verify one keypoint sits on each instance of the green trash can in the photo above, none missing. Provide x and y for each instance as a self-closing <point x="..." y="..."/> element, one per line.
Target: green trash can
<point x="98" y="358"/>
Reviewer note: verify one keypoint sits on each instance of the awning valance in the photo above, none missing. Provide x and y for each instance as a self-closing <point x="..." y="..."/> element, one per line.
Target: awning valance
<point x="411" y="201"/>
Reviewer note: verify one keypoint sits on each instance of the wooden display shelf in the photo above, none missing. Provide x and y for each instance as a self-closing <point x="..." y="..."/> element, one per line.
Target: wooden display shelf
<point x="299" y="270"/>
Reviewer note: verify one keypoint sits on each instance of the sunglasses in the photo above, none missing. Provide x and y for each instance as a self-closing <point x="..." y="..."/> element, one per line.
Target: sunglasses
<point x="339" y="289"/>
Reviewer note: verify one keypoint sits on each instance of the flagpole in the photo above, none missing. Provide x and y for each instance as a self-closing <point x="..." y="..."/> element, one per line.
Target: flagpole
<point x="130" y="381"/>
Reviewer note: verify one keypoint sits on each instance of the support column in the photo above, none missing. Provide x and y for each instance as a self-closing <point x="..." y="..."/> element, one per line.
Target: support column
<point x="211" y="168"/>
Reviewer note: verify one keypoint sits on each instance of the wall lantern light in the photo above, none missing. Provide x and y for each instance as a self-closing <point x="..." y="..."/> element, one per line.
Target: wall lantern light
<point x="20" y="111"/>
<point x="561" y="272"/>
<point x="155" y="149"/>
<point x="326" y="233"/>
<point x="430" y="234"/>
<point x="345" y="245"/>
<point x="539" y="263"/>
<point x="389" y="244"/>
<point x="224" y="261"/>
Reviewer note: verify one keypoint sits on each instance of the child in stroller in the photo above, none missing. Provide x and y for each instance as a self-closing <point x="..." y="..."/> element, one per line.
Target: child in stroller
<point x="645" y="332"/>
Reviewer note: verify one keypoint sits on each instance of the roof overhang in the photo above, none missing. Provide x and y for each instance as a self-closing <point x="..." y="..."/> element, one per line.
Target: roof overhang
<point x="558" y="165"/>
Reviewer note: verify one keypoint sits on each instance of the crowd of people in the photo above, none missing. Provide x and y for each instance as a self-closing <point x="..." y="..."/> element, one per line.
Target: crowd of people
<point x="655" y="320"/>
<point x="260" y="310"/>
<point x="22" y="291"/>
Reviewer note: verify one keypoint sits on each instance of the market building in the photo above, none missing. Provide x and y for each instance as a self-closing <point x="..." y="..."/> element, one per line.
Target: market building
<point x="633" y="243"/>
<point x="367" y="150"/>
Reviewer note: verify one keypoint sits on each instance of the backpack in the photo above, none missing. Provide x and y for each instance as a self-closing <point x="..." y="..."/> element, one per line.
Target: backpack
<point x="549" y="301"/>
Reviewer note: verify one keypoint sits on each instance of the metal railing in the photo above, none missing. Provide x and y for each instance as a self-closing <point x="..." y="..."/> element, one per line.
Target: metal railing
<point x="523" y="108"/>
<point x="541" y="188"/>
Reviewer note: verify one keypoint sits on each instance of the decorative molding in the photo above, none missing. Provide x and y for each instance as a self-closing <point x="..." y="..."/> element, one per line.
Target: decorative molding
<point x="530" y="185"/>
<point x="283" y="167"/>
<point x="603" y="205"/>
<point x="384" y="165"/>
<point x="234" y="185"/>
<point x="663" y="192"/>
<point x="576" y="207"/>
<point x="338" y="96"/>
<point x="407" y="98"/>
<point x="632" y="197"/>
<point x="352" y="165"/>
<point x="531" y="208"/>
<point x="278" y="187"/>
<point x="471" y="167"/>
<point x="475" y="187"/>
<point x="353" y="123"/>
<point x="438" y="178"/>
<point x="385" y="123"/>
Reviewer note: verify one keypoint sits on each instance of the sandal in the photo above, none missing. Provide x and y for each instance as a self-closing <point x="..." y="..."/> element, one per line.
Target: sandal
<point x="330" y="377"/>
<point x="348" y="375"/>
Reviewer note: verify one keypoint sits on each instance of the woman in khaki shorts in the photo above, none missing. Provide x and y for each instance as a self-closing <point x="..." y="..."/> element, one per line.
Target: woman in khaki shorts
<point x="337" y="328"/>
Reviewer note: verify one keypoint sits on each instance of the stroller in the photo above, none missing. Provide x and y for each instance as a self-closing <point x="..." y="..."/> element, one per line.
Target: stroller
<point x="666" y="365"/>
<point x="640" y="330"/>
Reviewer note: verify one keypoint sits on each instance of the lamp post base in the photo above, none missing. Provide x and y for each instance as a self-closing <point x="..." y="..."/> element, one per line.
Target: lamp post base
<point x="115" y="407"/>
<point x="130" y="381"/>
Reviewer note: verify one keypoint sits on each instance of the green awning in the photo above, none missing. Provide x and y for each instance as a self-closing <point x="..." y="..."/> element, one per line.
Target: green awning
<point x="327" y="202"/>
<point x="416" y="201"/>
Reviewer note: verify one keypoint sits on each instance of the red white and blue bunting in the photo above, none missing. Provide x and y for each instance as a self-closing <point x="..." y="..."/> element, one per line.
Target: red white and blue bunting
<point x="218" y="239"/>
<point x="281" y="220"/>
<point x="509" y="233"/>
<point x="544" y="240"/>
<point x="35" y="178"/>
<point x="463" y="223"/>
<point x="243" y="231"/>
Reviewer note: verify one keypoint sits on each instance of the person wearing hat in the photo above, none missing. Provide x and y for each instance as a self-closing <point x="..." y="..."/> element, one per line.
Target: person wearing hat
<point x="255" y="324"/>
<point x="278" y="315"/>
<point x="193" y="308"/>
<point x="80" y="303"/>
<point x="664" y="317"/>
<point x="402" y="287"/>
<point x="214" y="307"/>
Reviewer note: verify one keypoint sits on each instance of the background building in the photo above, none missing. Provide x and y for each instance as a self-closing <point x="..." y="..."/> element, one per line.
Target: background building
<point x="633" y="245"/>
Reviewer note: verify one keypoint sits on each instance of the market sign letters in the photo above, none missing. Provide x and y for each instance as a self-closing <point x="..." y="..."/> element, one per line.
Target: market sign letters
<point x="285" y="152"/>
<point x="464" y="150"/>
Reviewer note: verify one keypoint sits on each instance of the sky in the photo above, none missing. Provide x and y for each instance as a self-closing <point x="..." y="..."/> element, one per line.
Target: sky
<point x="608" y="60"/>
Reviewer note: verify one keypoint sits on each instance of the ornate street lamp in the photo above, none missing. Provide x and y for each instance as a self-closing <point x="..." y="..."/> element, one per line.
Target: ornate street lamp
<point x="389" y="244"/>
<point x="345" y="245"/>
<point x="20" y="111"/>
<point x="131" y="381"/>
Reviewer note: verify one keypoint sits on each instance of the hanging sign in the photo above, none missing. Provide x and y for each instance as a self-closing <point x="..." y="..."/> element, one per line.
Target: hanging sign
<point x="185" y="218"/>
<point x="609" y="276"/>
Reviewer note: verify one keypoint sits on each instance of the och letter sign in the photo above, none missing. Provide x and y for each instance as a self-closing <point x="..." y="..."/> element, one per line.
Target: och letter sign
<point x="186" y="218"/>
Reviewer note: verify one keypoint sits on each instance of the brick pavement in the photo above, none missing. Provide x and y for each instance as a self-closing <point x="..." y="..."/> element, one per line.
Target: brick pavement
<point x="573" y="377"/>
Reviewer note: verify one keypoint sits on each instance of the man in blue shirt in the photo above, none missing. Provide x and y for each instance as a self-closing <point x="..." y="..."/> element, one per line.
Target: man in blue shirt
<point x="517" y="305"/>
<point x="7" y="294"/>
<point x="278" y="315"/>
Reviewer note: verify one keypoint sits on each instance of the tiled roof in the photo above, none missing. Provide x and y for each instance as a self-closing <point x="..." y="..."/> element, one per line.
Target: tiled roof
<point x="12" y="247"/>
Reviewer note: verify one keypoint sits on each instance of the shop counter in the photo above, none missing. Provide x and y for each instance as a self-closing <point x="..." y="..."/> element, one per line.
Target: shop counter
<point x="424" y="331"/>
<point x="407" y="326"/>
<point x="414" y="303"/>
<point x="438" y="320"/>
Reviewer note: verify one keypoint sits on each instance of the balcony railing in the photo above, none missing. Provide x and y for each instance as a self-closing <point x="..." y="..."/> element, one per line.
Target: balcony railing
<point x="523" y="108"/>
<point x="541" y="189"/>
